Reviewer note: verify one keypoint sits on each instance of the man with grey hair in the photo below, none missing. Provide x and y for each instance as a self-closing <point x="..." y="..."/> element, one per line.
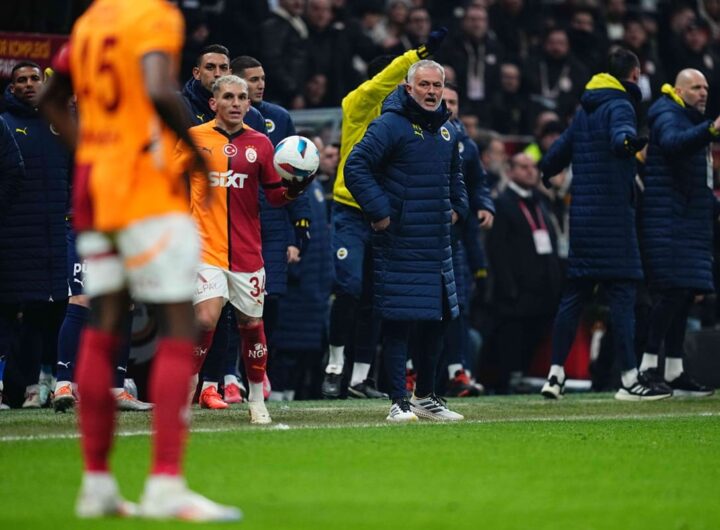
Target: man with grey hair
<point x="406" y="176"/>
<point x="225" y="206"/>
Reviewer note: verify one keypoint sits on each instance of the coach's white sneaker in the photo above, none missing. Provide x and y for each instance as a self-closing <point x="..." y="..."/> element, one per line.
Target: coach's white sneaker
<point x="100" y="497"/>
<point x="259" y="414"/>
<point x="400" y="412"/>
<point x="168" y="497"/>
<point x="434" y="408"/>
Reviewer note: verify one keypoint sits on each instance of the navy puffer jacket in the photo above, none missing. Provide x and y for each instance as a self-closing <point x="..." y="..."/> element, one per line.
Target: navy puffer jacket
<point x="603" y="238"/>
<point x="33" y="249"/>
<point x="277" y="223"/>
<point x="677" y="207"/>
<point x="408" y="167"/>
<point x="303" y="311"/>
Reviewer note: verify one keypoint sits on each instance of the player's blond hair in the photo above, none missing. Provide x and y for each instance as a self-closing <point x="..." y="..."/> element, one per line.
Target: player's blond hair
<point x="228" y="80"/>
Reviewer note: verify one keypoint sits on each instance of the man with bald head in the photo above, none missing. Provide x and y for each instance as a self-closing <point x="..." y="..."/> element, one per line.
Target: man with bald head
<point x="676" y="226"/>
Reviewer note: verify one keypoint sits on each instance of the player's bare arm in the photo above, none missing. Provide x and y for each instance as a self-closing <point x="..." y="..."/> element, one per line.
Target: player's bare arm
<point x="161" y="88"/>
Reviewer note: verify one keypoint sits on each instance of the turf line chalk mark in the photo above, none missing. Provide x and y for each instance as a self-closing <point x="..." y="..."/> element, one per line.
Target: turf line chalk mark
<point x="285" y="427"/>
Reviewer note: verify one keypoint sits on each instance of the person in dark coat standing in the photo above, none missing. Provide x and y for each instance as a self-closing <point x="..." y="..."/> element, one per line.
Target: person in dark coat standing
<point x="466" y="244"/>
<point x="676" y="227"/>
<point x="302" y="324"/>
<point x="12" y="174"/>
<point x="285" y="49"/>
<point x="525" y="276"/>
<point x="406" y="176"/>
<point x="213" y="62"/>
<point x="33" y="251"/>
<point x="601" y="143"/>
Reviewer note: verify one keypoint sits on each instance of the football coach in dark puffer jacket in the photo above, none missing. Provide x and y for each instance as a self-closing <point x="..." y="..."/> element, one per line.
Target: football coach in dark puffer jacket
<point x="601" y="143"/>
<point x="676" y="227"/>
<point x="406" y="176"/>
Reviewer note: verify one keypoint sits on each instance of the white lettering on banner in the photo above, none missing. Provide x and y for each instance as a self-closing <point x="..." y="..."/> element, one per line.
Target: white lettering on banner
<point x="227" y="179"/>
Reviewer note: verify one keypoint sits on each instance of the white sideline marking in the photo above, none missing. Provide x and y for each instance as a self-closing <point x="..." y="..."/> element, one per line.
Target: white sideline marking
<point x="285" y="427"/>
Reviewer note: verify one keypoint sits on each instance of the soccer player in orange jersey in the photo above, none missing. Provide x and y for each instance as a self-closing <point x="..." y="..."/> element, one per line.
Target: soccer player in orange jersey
<point x="231" y="269"/>
<point x="136" y="234"/>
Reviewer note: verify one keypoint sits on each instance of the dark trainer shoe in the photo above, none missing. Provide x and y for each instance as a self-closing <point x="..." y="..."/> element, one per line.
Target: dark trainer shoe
<point x="331" y="386"/>
<point x="366" y="390"/>
<point x="652" y="377"/>
<point x="460" y="386"/>
<point x="684" y="385"/>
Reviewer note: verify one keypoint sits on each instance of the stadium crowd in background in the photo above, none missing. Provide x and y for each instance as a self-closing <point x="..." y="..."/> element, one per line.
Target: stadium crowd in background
<point x="517" y="71"/>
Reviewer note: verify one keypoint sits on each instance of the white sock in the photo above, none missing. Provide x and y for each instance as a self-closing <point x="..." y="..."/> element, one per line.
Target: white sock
<point x="409" y="364"/>
<point x="255" y="392"/>
<point x="649" y="360"/>
<point x="452" y="368"/>
<point x="337" y="357"/>
<point x="289" y="395"/>
<point x="231" y="380"/>
<point x="360" y="372"/>
<point x="673" y="368"/>
<point x="207" y="384"/>
<point x="629" y="377"/>
<point x="558" y="371"/>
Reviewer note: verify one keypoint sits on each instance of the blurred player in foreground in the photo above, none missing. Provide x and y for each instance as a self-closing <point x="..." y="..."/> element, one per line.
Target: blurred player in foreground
<point x="136" y="235"/>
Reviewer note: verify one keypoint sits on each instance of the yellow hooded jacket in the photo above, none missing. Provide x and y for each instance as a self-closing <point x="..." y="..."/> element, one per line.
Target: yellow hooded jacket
<point x="360" y="107"/>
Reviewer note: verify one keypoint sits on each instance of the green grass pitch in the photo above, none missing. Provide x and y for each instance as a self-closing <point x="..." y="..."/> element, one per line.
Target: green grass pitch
<point x="583" y="463"/>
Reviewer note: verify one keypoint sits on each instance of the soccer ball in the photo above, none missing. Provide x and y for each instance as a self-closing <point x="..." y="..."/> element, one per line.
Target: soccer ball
<point x="296" y="158"/>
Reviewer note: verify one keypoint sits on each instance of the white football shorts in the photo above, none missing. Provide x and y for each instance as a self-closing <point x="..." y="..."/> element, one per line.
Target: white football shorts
<point x="244" y="290"/>
<point x="154" y="258"/>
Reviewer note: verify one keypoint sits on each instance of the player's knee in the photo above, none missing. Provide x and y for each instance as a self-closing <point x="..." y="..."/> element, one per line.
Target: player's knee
<point x="245" y="321"/>
<point x="206" y="319"/>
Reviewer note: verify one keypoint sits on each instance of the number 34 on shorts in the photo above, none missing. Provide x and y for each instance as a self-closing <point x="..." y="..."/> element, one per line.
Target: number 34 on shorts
<point x="244" y="290"/>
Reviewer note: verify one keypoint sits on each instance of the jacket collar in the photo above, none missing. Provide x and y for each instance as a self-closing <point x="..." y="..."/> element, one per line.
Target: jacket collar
<point x="669" y="91"/>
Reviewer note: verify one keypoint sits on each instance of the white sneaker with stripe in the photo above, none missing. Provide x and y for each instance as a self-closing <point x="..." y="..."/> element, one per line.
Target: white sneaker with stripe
<point x="434" y="408"/>
<point x="640" y="392"/>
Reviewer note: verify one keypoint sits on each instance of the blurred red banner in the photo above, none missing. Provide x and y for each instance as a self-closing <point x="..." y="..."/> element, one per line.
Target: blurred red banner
<point x="36" y="47"/>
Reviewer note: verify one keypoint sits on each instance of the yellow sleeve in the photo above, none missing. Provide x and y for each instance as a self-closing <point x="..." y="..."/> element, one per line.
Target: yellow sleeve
<point x="373" y="91"/>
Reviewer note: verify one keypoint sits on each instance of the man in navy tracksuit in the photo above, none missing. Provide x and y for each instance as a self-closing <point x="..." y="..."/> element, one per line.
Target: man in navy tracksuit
<point x="213" y="62"/>
<point x="676" y="222"/>
<point x="406" y="175"/>
<point x="12" y="174"/>
<point x="601" y="144"/>
<point x="32" y="240"/>
<point x="468" y="254"/>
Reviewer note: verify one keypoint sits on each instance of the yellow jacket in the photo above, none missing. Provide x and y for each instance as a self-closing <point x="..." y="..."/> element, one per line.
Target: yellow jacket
<point x="360" y="107"/>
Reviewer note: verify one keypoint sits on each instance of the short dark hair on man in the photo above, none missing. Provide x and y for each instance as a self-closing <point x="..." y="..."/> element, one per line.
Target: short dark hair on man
<point x="621" y="63"/>
<point x="378" y="64"/>
<point x="239" y="64"/>
<point x="451" y="86"/>
<point x="212" y="48"/>
<point x="24" y="64"/>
